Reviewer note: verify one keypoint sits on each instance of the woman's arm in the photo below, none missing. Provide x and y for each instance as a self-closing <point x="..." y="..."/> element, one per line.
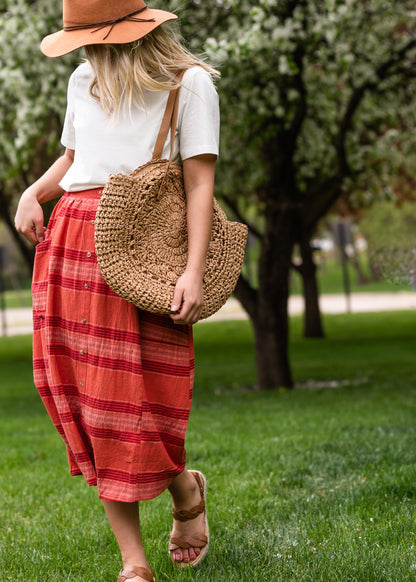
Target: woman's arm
<point x="198" y="173"/>
<point x="29" y="216"/>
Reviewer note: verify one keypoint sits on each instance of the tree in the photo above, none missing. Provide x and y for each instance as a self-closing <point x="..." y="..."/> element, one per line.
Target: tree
<point x="311" y="92"/>
<point x="31" y="120"/>
<point x="317" y="103"/>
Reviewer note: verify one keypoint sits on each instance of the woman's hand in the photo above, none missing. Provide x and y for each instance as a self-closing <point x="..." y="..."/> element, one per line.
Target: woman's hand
<point x="188" y="299"/>
<point x="29" y="220"/>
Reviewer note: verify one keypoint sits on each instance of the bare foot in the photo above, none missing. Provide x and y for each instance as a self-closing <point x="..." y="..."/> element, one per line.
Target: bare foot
<point x="188" y="537"/>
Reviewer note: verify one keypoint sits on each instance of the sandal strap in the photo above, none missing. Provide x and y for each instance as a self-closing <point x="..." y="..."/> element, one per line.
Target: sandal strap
<point x="200" y="482"/>
<point x="188" y="514"/>
<point x="137" y="571"/>
<point x="187" y="542"/>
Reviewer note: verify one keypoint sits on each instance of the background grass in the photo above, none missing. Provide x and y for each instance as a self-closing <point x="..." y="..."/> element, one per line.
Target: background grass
<point x="314" y="484"/>
<point x="18" y="298"/>
<point x="331" y="279"/>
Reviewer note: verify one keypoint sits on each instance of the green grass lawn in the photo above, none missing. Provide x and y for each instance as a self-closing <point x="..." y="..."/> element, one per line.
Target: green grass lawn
<point x="18" y="298"/>
<point x="314" y="484"/>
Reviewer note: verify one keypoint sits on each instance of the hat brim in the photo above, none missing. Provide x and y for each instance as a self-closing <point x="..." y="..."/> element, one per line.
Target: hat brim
<point x="63" y="42"/>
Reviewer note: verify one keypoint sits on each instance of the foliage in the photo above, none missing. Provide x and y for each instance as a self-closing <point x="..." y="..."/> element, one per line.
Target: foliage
<point x="391" y="235"/>
<point x="33" y="96"/>
<point x="338" y="46"/>
<point x="32" y="88"/>
<point x="332" y="70"/>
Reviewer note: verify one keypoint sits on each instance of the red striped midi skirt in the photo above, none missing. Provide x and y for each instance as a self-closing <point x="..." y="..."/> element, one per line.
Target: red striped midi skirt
<point x="116" y="381"/>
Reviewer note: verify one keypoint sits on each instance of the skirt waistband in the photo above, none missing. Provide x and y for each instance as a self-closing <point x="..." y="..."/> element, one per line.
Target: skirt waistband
<point x="90" y="193"/>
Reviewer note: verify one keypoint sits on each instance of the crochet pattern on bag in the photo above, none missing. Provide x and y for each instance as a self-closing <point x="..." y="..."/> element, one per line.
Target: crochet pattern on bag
<point x="142" y="244"/>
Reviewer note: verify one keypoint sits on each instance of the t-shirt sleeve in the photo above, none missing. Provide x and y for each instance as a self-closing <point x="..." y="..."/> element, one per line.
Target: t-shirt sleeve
<point x="68" y="132"/>
<point x="199" y="118"/>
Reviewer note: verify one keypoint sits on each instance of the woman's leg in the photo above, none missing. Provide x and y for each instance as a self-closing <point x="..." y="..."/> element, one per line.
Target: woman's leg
<point x="186" y="494"/>
<point x="125" y="523"/>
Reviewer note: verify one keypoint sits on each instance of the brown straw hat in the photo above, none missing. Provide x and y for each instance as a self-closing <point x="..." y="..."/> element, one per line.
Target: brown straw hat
<point x="102" y="22"/>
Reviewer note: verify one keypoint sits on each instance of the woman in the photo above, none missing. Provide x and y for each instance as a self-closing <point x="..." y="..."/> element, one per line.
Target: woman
<point x="116" y="381"/>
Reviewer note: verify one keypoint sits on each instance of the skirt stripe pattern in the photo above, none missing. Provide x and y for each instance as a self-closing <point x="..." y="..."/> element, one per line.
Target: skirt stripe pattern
<point x="116" y="381"/>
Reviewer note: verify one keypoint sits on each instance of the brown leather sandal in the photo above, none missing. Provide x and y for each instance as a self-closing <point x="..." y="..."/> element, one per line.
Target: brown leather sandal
<point x="185" y="542"/>
<point x="144" y="573"/>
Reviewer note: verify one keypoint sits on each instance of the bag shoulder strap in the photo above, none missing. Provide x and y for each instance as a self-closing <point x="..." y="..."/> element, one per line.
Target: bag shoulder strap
<point x="170" y="119"/>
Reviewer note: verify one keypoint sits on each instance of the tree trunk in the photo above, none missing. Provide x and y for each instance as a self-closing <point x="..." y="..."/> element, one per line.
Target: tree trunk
<point x="272" y="358"/>
<point x="312" y="318"/>
<point x="355" y="263"/>
<point x="270" y="325"/>
<point x="268" y="305"/>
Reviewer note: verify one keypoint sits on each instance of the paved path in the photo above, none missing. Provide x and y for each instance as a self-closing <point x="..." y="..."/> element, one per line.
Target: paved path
<point x="19" y="321"/>
<point x="358" y="302"/>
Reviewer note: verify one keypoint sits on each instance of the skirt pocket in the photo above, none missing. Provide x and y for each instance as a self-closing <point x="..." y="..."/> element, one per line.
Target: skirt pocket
<point x="40" y="278"/>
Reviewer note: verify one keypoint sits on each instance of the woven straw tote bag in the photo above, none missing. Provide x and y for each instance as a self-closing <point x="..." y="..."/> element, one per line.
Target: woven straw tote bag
<point x="141" y="233"/>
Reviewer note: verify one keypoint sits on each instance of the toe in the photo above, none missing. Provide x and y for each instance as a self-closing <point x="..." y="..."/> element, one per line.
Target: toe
<point x="185" y="555"/>
<point x="193" y="553"/>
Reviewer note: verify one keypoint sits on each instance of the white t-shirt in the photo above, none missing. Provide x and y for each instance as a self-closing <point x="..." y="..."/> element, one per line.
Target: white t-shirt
<point x="103" y="147"/>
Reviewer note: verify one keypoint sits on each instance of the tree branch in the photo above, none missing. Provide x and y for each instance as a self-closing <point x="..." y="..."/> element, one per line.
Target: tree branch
<point x="382" y="72"/>
<point x="247" y="296"/>
<point x="234" y="208"/>
<point x="321" y="198"/>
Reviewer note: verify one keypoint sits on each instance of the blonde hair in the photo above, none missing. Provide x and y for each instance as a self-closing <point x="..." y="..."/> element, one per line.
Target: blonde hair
<point x="123" y="71"/>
